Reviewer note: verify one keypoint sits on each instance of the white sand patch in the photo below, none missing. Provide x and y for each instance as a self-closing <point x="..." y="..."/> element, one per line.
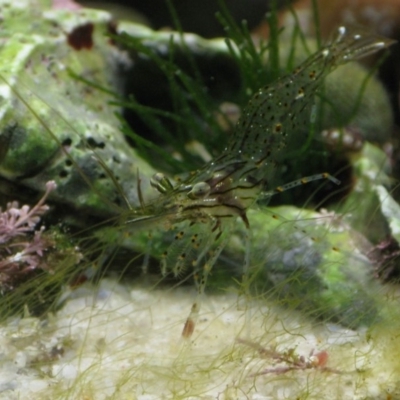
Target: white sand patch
<point x="120" y="343"/>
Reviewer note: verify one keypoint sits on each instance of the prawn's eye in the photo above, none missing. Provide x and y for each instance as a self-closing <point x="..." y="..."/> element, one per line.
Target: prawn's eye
<point x="199" y="190"/>
<point x="161" y="183"/>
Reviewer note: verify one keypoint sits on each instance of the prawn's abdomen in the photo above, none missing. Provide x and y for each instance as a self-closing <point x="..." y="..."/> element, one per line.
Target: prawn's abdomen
<point x="281" y="111"/>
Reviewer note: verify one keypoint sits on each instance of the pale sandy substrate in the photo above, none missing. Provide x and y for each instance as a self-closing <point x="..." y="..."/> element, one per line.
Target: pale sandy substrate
<point x="122" y="343"/>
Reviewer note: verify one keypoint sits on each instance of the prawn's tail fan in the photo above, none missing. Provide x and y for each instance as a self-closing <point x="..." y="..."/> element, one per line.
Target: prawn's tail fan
<point x="352" y="43"/>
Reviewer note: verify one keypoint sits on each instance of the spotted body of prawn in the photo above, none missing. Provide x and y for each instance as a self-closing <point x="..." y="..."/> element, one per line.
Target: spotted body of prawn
<point x="203" y="208"/>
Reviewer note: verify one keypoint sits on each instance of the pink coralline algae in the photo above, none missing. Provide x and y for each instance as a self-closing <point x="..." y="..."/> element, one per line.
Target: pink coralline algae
<point x="22" y="244"/>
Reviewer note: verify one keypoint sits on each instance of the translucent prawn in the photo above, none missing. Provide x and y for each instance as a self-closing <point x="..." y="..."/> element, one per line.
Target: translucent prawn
<point x="204" y="207"/>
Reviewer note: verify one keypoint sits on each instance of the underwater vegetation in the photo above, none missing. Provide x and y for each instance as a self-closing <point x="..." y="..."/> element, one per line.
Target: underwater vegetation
<point x="182" y="199"/>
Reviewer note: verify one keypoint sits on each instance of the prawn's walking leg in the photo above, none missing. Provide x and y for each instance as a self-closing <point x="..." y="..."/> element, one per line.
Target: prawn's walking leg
<point x="246" y="281"/>
<point x="201" y="281"/>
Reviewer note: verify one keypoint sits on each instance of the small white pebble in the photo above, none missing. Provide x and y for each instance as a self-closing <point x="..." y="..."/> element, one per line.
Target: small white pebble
<point x="20" y="359"/>
<point x="68" y="371"/>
